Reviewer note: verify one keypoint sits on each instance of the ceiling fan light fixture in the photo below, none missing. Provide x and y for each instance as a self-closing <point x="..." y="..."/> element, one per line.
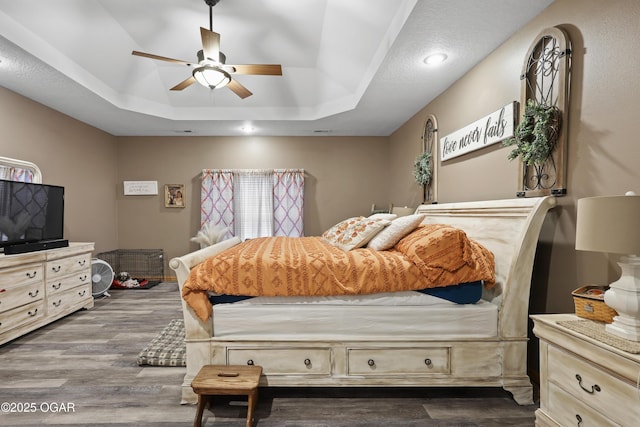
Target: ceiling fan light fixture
<point x="211" y="76"/>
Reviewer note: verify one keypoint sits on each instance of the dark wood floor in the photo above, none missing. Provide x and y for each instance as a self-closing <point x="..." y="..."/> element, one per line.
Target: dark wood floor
<point x="81" y="370"/>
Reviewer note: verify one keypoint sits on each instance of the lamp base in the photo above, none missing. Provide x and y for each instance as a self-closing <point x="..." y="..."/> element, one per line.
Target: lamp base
<point x="624" y="297"/>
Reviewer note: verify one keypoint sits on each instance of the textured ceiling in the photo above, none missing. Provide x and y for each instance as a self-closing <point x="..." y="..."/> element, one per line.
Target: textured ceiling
<point x="350" y="67"/>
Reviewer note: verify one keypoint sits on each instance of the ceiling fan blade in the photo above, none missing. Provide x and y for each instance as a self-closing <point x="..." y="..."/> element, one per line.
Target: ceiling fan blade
<point x="210" y="44"/>
<point x="160" y="58"/>
<point x="259" y="69"/>
<point x="185" y="83"/>
<point x="238" y="89"/>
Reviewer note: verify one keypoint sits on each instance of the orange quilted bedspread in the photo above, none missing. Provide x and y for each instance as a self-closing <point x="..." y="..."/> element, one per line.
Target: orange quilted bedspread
<point x="432" y="256"/>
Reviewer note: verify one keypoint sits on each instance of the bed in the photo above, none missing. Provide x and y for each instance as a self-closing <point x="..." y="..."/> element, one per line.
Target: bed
<point x="400" y="338"/>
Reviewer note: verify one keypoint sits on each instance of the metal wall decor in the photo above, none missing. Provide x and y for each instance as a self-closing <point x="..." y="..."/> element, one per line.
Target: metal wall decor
<point x="545" y="81"/>
<point x="429" y="144"/>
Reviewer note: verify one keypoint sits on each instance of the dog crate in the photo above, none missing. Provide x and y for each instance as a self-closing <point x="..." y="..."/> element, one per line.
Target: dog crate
<point x="139" y="263"/>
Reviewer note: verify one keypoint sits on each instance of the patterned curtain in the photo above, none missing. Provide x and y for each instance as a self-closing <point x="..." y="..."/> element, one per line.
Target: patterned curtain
<point x="216" y="198"/>
<point x="288" y="195"/>
<point x="16" y="174"/>
<point x="254" y="203"/>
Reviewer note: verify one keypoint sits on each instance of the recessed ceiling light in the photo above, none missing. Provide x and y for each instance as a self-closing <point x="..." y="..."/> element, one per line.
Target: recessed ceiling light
<point x="436" y="58"/>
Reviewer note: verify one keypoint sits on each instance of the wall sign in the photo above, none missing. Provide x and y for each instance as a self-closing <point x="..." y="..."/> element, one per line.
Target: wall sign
<point x="493" y="128"/>
<point x="140" y="188"/>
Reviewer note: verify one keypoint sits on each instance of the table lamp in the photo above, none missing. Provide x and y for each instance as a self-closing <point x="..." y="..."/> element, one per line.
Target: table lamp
<point x="612" y="224"/>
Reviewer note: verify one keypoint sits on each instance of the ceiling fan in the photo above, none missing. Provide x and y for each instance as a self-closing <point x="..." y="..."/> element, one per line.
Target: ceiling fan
<point x="211" y="70"/>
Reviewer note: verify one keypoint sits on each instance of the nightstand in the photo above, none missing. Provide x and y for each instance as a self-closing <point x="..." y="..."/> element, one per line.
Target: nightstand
<point x="584" y="382"/>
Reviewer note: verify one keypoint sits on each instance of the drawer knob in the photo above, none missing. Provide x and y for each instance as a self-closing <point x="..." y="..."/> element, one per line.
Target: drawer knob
<point x="57" y="304"/>
<point x="32" y="313"/>
<point x="307" y="362"/>
<point x="594" y="387"/>
<point x="31" y="275"/>
<point x="56" y="269"/>
<point x="83" y="278"/>
<point x="84" y="291"/>
<point x="33" y="295"/>
<point x="371" y="362"/>
<point x="579" y="419"/>
<point x="82" y="263"/>
<point x="56" y="286"/>
<point x="250" y="362"/>
<point x="427" y="362"/>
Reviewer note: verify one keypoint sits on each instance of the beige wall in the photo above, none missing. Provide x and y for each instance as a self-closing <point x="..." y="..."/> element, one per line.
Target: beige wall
<point x="343" y="177"/>
<point x="69" y="153"/>
<point x="603" y="138"/>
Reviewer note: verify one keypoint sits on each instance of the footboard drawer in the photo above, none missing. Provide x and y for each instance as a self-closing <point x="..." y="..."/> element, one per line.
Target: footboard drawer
<point x="593" y="386"/>
<point x="283" y="361"/>
<point x="386" y="361"/>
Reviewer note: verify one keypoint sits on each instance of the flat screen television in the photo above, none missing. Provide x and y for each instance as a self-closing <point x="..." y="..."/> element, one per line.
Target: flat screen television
<point x="31" y="216"/>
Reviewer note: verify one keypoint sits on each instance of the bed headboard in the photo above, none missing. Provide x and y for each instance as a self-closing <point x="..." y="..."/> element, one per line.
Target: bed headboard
<point x="510" y="229"/>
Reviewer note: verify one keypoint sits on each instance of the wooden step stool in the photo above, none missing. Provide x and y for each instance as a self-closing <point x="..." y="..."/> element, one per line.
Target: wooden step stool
<point x="226" y="380"/>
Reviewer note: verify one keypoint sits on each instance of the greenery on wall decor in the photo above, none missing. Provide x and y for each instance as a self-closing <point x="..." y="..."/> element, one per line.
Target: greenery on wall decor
<point x="536" y="134"/>
<point x="422" y="168"/>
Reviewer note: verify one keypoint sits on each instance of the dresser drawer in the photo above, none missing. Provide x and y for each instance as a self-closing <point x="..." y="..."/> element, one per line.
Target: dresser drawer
<point x="569" y="411"/>
<point x="20" y="295"/>
<point x="402" y="361"/>
<point x="65" y="266"/>
<point x="63" y="284"/>
<point x="65" y="300"/>
<point x="21" y="315"/>
<point x="283" y="361"/>
<point x="593" y="386"/>
<point x="19" y="276"/>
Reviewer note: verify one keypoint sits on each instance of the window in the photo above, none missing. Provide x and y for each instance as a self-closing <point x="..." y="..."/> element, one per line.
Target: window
<point x="19" y="170"/>
<point x="254" y="203"/>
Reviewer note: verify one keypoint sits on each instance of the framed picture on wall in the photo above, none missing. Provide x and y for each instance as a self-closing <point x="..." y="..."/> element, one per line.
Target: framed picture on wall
<point x="174" y="196"/>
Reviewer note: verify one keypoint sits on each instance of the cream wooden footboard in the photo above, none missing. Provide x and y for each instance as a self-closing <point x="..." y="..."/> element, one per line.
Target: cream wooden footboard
<point x="509" y="228"/>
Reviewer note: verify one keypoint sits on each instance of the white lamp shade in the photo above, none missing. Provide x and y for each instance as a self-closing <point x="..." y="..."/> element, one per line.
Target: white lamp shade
<point x="609" y="224"/>
<point x="211" y="77"/>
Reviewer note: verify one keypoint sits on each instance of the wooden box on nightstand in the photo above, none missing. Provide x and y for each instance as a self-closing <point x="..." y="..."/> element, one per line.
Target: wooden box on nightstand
<point x="584" y="381"/>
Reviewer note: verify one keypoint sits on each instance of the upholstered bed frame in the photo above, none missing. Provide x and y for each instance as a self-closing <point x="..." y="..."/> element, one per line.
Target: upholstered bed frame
<point x="509" y="228"/>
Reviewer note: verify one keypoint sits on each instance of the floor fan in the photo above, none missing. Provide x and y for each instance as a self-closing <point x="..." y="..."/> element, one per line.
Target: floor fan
<point x="101" y="277"/>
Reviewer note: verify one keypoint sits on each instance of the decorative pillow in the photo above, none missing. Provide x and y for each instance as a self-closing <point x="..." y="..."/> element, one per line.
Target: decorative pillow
<point x="387" y="216"/>
<point x="436" y="246"/>
<point x="354" y="232"/>
<point x="445" y="255"/>
<point x="400" y="227"/>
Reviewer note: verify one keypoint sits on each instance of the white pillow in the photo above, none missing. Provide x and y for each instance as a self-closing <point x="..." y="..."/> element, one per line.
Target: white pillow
<point x="400" y="227"/>
<point x="387" y="216"/>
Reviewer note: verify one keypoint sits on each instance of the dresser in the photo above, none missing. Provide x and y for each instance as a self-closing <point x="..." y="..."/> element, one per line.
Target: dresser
<point x="37" y="288"/>
<point x="584" y="382"/>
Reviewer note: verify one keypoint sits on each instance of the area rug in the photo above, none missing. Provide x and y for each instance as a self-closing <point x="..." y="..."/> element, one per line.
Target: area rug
<point x="167" y="348"/>
<point x="596" y="330"/>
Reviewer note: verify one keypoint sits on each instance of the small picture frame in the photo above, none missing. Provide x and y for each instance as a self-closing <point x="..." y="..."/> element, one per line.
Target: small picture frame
<point x="174" y="196"/>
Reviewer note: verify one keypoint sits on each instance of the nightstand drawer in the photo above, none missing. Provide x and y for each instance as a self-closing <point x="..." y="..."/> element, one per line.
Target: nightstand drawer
<point x="569" y="411"/>
<point x="594" y="387"/>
